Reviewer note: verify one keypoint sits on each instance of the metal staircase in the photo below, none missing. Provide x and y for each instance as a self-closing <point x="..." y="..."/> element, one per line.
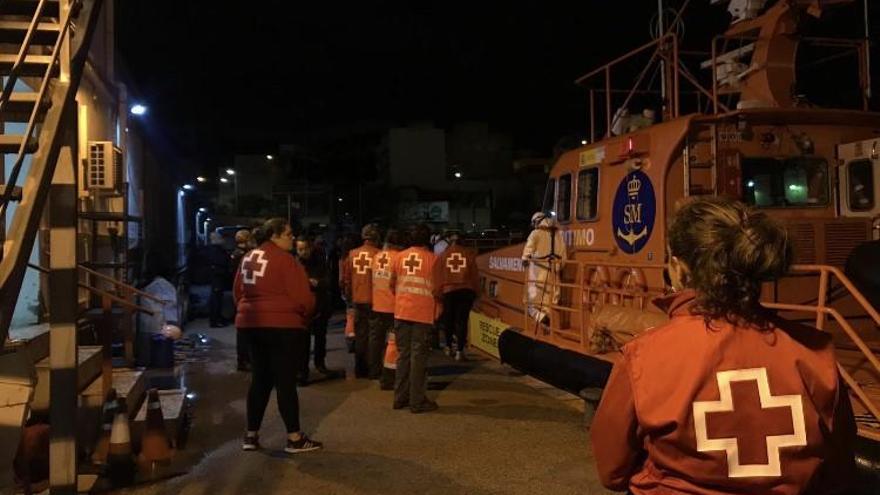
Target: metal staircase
<point x="43" y="49"/>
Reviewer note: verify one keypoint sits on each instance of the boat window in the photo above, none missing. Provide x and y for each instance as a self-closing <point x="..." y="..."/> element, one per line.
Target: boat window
<point x="563" y="199"/>
<point x="549" y="197"/>
<point x="588" y="194"/>
<point x="860" y="177"/>
<point x="785" y="182"/>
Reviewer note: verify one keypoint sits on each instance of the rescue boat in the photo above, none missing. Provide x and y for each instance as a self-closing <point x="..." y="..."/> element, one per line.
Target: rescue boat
<point x="736" y="129"/>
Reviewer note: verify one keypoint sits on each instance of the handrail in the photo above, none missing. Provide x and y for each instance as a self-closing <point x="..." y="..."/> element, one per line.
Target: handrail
<point x="124" y="285"/>
<point x="12" y="78"/>
<point x="119" y="300"/>
<point x="32" y="121"/>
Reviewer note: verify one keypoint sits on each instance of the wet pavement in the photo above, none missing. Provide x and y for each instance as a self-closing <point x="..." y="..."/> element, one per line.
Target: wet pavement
<point x="496" y="432"/>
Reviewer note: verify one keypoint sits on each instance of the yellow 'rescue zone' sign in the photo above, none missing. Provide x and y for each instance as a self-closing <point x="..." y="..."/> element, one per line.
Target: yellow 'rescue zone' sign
<point x="483" y="333"/>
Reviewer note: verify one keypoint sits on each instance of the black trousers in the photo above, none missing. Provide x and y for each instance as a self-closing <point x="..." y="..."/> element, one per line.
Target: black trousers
<point x="363" y="315"/>
<point x="215" y="305"/>
<point x="275" y="358"/>
<point x="380" y="325"/>
<point x="318" y="333"/>
<point x="456" y="311"/>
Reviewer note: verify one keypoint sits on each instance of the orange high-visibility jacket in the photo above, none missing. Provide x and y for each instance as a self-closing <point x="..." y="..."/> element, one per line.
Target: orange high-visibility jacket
<point x="457" y="270"/>
<point x="383" y="296"/>
<point x="359" y="274"/>
<point x="415" y="293"/>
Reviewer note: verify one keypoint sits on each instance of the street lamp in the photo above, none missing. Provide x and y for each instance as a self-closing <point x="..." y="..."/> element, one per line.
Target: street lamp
<point x="138" y="109"/>
<point x="201" y="179"/>
<point x="189" y="187"/>
<point x="270" y="157"/>
<point x="231" y="172"/>
<point x="583" y="141"/>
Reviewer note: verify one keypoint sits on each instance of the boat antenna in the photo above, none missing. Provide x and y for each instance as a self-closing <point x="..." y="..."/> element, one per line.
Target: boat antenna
<point x="867" y="51"/>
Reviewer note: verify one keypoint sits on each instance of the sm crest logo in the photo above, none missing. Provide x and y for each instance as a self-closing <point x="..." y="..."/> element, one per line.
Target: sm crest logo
<point x="635" y="208"/>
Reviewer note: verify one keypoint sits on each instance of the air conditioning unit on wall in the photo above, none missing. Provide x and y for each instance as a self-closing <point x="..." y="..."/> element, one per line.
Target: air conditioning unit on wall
<point x="104" y="166"/>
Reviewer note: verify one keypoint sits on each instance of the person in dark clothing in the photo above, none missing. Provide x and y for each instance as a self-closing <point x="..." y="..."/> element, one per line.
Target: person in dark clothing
<point x="243" y="244"/>
<point x="218" y="264"/>
<point x="319" y="280"/>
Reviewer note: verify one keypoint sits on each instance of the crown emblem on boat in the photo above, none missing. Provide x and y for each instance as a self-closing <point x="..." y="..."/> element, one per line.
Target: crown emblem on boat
<point x="633" y="186"/>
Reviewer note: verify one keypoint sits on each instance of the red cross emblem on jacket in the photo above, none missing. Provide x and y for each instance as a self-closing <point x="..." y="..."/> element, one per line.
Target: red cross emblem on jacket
<point x="383" y="261"/>
<point x="362" y="262"/>
<point x="413" y="263"/>
<point x="253" y="267"/>
<point x="786" y="410"/>
<point x="456" y="263"/>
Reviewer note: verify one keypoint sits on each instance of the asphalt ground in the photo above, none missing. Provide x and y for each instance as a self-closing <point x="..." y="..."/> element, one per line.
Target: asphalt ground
<point x="496" y="432"/>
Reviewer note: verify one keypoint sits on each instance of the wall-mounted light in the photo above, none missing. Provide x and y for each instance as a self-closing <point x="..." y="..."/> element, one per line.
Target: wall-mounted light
<point x="457" y="175"/>
<point x="138" y="109"/>
<point x="339" y="199"/>
<point x="583" y="141"/>
<point x="203" y="210"/>
<point x="270" y="157"/>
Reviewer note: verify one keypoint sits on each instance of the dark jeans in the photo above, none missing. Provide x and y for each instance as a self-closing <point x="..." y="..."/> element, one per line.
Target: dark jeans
<point x="363" y="314"/>
<point x="318" y="331"/>
<point x="275" y="359"/>
<point x="242" y="349"/>
<point x="215" y="305"/>
<point x="380" y="325"/>
<point x="456" y="311"/>
<point x="412" y="362"/>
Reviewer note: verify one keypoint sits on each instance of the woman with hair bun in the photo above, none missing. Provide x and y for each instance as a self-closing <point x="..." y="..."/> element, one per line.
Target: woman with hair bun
<point x="727" y="397"/>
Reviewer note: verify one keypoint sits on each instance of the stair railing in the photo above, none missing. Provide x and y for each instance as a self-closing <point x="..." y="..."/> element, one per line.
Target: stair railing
<point x="41" y="95"/>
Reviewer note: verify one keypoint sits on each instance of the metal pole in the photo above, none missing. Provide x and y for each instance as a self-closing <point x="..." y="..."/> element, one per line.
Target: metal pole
<point x="592" y="116"/>
<point x="661" y="34"/>
<point x="867" y="51"/>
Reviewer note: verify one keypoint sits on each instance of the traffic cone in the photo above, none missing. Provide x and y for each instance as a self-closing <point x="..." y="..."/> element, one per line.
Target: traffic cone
<point x="99" y="456"/>
<point x="121" y="468"/>
<point x="155" y="447"/>
<point x="389" y="368"/>
<point x="349" y="329"/>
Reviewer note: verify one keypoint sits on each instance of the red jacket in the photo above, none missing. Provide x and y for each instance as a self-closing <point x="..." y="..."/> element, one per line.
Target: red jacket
<point x="359" y="274"/>
<point x="725" y="410"/>
<point x="457" y="270"/>
<point x="415" y="294"/>
<point x="271" y="290"/>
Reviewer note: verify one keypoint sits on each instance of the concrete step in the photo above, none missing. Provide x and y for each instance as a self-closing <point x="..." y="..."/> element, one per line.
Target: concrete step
<point x="10" y="143"/>
<point x="33" y="339"/>
<point x="15" y="31"/>
<point x="89" y="363"/>
<point x="129" y="383"/>
<point x="34" y="65"/>
<point x="174" y="410"/>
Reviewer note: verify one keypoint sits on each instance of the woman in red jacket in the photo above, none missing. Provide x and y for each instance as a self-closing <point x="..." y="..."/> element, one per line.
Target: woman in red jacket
<point x="274" y="303"/>
<point x="727" y="397"/>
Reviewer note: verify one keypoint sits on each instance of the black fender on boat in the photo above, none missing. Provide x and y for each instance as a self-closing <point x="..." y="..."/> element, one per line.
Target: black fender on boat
<point x="561" y="368"/>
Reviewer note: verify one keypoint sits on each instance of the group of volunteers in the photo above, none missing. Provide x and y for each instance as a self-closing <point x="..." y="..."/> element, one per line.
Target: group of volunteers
<point x="401" y="285"/>
<point x="725" y="398"/>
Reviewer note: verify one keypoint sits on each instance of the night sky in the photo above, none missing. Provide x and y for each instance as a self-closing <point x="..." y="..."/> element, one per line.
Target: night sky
<point x="246" y="76"/>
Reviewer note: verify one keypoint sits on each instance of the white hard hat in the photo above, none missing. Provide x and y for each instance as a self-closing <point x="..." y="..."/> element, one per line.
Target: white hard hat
<point x="537" y="217"/>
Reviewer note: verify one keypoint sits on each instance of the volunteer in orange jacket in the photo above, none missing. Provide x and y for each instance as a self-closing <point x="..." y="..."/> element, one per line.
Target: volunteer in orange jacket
<point x="415" y="310"/>
<point x="727" y="397"/>
<point x="383" y="301"/>
<point x="275" y="302"/>
<point x="459" y="282"/>
<point x="359" y="290"/>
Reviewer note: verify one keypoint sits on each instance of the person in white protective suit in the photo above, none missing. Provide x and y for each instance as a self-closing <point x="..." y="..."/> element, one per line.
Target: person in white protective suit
<point x="545" y="248"/>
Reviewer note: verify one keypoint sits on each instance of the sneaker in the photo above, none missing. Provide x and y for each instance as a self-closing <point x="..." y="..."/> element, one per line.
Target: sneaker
<point x="304" y="444"/>
<point x="250" y="443"/>
<point x="426" y="406"/>
<point x="459" y="356"/>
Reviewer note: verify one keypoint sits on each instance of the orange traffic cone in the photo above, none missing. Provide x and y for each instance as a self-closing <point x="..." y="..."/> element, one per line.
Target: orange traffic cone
<point x="389" y="367"/>
<point x="349" y="329"/>
<point x="99" y="456"/>
<point x="155" y="447"/>
<point x="121" y="468"/>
